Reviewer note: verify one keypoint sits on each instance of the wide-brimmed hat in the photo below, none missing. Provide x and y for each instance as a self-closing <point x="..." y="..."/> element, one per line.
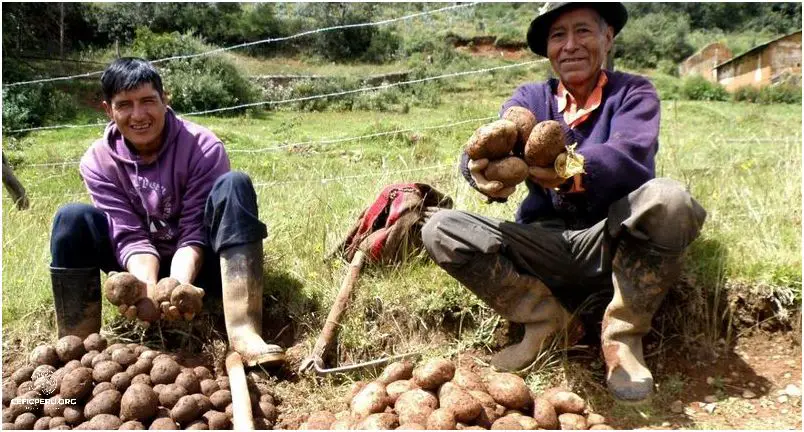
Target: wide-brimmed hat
<point x="614" y="14"/>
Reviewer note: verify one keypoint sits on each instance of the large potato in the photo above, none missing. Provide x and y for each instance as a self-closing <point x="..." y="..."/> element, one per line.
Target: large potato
<point x="441" y="419"/>
<point x="164" y="288"/>
<point x="415" y="406"/>
<point x="9" y="391"/>
<point x="121" y="381"/>
<point x="141" y="366"/>
<point x="379" y="421"/>
<point x="164" y="371"/>
<point x="468" y="380"/>
<point x="396" y="388"/>
<point x="25" y="421"/>
<point x="171" y="394"/>
<point x="566" y="402"/>
<point x="187" y="298"/>
<point x="465" y="407"/>
<point x="186" y="410"/>
<point x="70" y="348"/>
<point x="94" y="342"/>
<point x="104" y="371"/>
<point x="42" y="423"/>
<point x="490" y="410"/>
<point x="510" y="171"/>
<point x="433" y="373"/>
<point x="139" y="403"/>
<point x="545" y="143"/>
<point x="123" y="288"/>
<point x="164" y="423"/>
<point x="24" y="373"/>
<point x="86" y="359"/>
<point x="509" y="422"/>
<point x="401" y="370"/>
<point x="545" y="414"/>
<point x="320" y="420"/>
<point x="209" y="386"/>
<point x="107" y="402"/>
<point x="44" y="354"/>
<point x="132" y="425"/>
<point x="220" y="399"/>
<point x="124" y="356"/>
<point x="570" y="421"/>
<point x="77" y="384"/>
<point x="492" y="141"/>
<point x="373" y="398"/>
<point x="524" y="121"/>
<point x="217" y="420"/>
<point x="189" y="381"/>
<point x="508" y="390"/>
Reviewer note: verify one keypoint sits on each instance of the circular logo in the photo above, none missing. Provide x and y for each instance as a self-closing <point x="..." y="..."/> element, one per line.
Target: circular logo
<point x="44" y="382"/>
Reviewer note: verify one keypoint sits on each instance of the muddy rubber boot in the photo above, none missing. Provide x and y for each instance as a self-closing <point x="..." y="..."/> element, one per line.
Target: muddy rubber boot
<point x="77" y="300"/>
<point x="241" y="277"/>
<point x="641" y="279"/>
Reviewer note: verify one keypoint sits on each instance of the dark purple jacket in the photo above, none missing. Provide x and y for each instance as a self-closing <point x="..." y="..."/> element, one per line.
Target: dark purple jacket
<point x="619" y="142"/>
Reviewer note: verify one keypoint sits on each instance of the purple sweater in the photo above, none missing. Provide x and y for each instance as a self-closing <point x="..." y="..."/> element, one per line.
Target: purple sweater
<point x="158" y="207"/>
<point x="619" y="142"/>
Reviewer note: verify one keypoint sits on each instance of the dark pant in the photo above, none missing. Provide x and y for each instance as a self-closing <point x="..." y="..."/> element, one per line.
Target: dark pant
<point x="660" y="216"/>
<point x="80" y="237"/>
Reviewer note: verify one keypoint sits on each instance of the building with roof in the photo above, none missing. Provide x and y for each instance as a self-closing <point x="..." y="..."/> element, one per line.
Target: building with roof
<point x="703" y="62"/>
<point x="762" y="65"/>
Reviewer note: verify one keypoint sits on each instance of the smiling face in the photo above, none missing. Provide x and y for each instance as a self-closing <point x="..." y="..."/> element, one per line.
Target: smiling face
<point x="140" y="117"/>
<point x="577" y="46"/>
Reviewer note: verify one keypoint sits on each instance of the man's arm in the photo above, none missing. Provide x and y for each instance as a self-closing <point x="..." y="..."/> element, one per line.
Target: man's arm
<point x="187" y="262"/>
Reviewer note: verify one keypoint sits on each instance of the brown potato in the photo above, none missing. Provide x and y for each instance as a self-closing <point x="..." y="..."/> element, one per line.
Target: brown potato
<point x="139" y="403"/>
<point x="107" y="402"/>
<point x="508" y="422"/>
<point x="464" y="407"/>
<point x="203" y="373"/>
<point x="396" y="388"/>
<point x="187" y="298"/>
<point x="354" y="389"/>
<point x="73" y="415"/>
<point x="25" y="387"/>
<point x="510" y="171"/>
<point x="186" y="410"/>
<point x="508" y="390"/>
<point x="86" y="359"/>
<point x="204" y="402"/>
<point x="77" y="384"/>
<point x="44" y="354"/>
<point x="492" y="141"/>
<point x="441" y="419"/>
<point x="528" y="423"/>
<point x="23" y="374"/>
<point x="164" y="423"/>
<point x="415" y="406"/>
<point x="468" y="380"/>
<point x="343" y="424"/>
<point x="164" y="288"/>
<point x="148" y="355"/>
<point x="545" y="414"/>
<point x="55" y="407"/>
<point x="141" y="366"/>
<point x="56" y="422"/>
<point x="189" y="381"/>
<point x="401" y="370"/>
<point x="101" y="358"/>
<point x="601" y="427"/>
<point x="524" y="121"/>
<point x="266" y="410"/>
<point x="545" y="143"/>
<point x="489" y="409"/>
<point x="209" y="386"/>
<point x="202" y="425"/>
<point x="379" y="421"/>
<point x="43" y="423"/>
<point x="570" y="421"/>
<point x="433" y="373"/>
<point x="9" y="391"/>
<point x="123" y="288"/>
<point x="373" y="398"/>
<point x="124" y="357"/>
<point x="171" y="394"/>
<point x="567" y="402"/>
<point x="220" y="399"/>
<point x="104" y="371"/>
<point x="114" y="347"/>
<point x="94" y="342"/>
<point x="320" y="420"/>
<point x="121" y="381"/>
<point x="217" y="420"/>
<point x="267" y="398"/>
<point x="132" y="425"/>
<point x="595" y="419"/>
<point x="164" y="371"/>
<point x="70" y="348"/>
<point x="25" y="421"/>
<point x="102" y="387"/>
<point x="105" y="422"/>
<point x="411" y="426"/>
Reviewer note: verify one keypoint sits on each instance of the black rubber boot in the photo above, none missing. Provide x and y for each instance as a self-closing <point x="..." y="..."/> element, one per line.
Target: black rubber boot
<point x="77" y="299"/>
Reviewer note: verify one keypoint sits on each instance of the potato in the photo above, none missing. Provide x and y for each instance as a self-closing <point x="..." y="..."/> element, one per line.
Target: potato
<point x="132" y="425"/>
<point x="524" y="121"/>
<point x="200" y="425"/>
<point x="570" y="421"/>
<point x="124" y="356"/>
<point x="601" y="427"/>
<point x="489" y="412"/>
<point x="139" y="403"/>
<point x="55" y="407"/>
<point x="22" y="374"/>
<point x="106" y="402"/>
<point x="123" y="288"/>
<point x="148" y="355"/>
<point x="209" y="386"/>
<point x="56" y="422"/>
<point x="43" y="423"/>
<point x="94" y="342"/>
<point x="415" y="406"/>
<point x="203" y="373"/>
<point x="510" y="171"/>
<point x="104" y="371"/>
<point x="186" y="410"/>
<point x="77" y="384"/>
<point x="164" y="371"/>
<point x="267" y="398"/>
<point x="8" y="426"/>
<point x="70" y="348"/>
<point x="217" y="420"/>
<point x="432" y="374"/>
<point x="342" y="424"/>
<point x="507" y="423"/>
<point x="320" y="420"/>
<point x="26" y="387"/>
<point x="44" y="354"/>
<point x="170" y="394"/>
<point x="528" y="423"/>
<point x="545" y="143"/>
<point x="265" y="410"/>
<point x="73" y="415"/>
<point x="204" y="403"/>
<point x="189" y="381"/>
<point x="396" y="388"/>
<point x="86" y="359"/>
<point x="464" y="407"/>
<point x="401" y="370"/>
<point x="595" y="419"/>
<point x="372" y="399"/>
<point x="411" y="426"/>
<point x="162" y="412"/>
<point x="492" y="141"/>
<point x="567" y="402"/>
<point x="379" y="421"/>
<point x="121" y="381"/>
<point x="441" y="419"/>
<point x="229" y="411"/>
<point x="9" y="391"/>
<point x="141" y="366"/>
<point x="164" y="288"/>
<point x="164" y="423"/>
<point x="187" y="298"/>
<point x="220" y="399"/>
<point x="25" y="421"/>
<point x="545" y="414"/>
<point x="508" y="390"/>
<point x="468" y="380"/>
<point x="354" y="389"/>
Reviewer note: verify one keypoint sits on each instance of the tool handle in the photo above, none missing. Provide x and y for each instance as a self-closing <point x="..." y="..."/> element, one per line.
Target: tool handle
<point x="242" y="418"/>
<point x="341" y="301"/>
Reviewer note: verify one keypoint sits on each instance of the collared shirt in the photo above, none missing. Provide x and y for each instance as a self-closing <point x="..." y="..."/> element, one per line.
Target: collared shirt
<point x="568" y="106"/>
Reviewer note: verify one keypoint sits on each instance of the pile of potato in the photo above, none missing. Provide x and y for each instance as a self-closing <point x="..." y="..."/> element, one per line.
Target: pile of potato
<point x="437" y="396"/>
<point x="542" y="143"/>
<point x="121" y="386"/>
<point x="171" y="300"/>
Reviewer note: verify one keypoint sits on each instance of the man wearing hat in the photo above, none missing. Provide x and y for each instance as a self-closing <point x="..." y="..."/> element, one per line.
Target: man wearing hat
<point x="613" y="231"/>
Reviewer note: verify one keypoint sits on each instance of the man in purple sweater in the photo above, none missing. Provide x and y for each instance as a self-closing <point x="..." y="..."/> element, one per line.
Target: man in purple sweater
<point x="165" y="204"/>
<point x="613" y="231"/>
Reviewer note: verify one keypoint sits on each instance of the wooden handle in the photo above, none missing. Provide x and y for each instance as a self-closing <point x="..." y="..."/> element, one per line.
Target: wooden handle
<point x="341" y="301"/>
<point x="242" y="418"/>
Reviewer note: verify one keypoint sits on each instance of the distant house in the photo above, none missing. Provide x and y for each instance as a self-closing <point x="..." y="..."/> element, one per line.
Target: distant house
<point x="762" y="65"/>
<point x="704" y="61"/>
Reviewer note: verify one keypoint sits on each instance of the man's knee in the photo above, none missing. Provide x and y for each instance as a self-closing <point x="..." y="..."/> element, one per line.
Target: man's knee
<point x="441" y="237"/>
<point x="673" y="217"/>
<point x="77" y="217"/>
<point x="233" y="180"/>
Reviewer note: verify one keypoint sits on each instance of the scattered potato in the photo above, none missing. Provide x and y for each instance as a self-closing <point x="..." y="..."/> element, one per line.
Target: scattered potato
<point x="266" y="410"/>
<point x="54" y="408"/>
<point x="217" y="420"/>
<point x="132" y="425"/>
<point x="601" y="427"/>
<point x="567" y="402"/>
<point x="464" y="407"/>
<point x="107" y="402"/>
<point x="139" y="403"/>
<point x="86" y="359"/>
<point x="545" y="413"/>
<point x="164" y="423"/>
<point x="141" y="366"/>
<point x="73" y="415"/>
<point x="220" y="399"/>
<point x="209" y="386"/>
<point x="56" y="422"/>
<point x="123" y="288"/>
<point x="124" y="356"/>
<point x="102" y="387"/>
<point x="492" y="141"/>
<point x="411" y="426"/>
<point x="468" y="380"/>
<point x="203" y="373"/>
<point x="524" y="121"/>
<point x="77" y="384"/>
<point x="507" y="423"/>
<point x="372" y="399"/>
<point x="508" y="390"/>
<point x="170" y="394"/>
<point x="189" y="381"/>
<point x="94" y="342"/>
<point x="204" y="403"/>
<point x="121" y="381"/>
<point x="186" y="410"/>
<point x="396" y="388"/>
<point x="432" y="374"/>
<point x="415" y="406"/>
<point x="343" y="424"/>
<point x="101" y="358"/>
<point x="9" y="391"/>
<point x="490" y="410"/>
<point x="25" y="421"/>
<point x="570" y="421"/>
<point x="70" y="348"/>
<point x="595" y="419"/>
<point x="401" y="370"/>
<point x="441" y="419"/>
<point x="164" y="371"/>
<point x="44" y="354"/>
<point x="23" y="374"/>
<point x="43" y="423"/>
<point x="528" y="423"/>
<point x="545" y="143"/>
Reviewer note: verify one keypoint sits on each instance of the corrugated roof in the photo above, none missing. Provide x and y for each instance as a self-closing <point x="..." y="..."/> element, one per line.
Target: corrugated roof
<point x="754" y="49"/>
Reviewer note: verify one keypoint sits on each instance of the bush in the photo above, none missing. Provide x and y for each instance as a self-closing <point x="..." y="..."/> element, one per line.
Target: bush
<point x="746" y="94"/>
<point x="35" y="105"/>
<point x="782" y="93"/>
<point x="649" y="39"/>
<point x="698" y="88"/>
<point x="668" y="87"/>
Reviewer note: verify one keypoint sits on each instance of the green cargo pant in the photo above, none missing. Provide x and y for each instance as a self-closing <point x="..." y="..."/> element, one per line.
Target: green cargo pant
<point x="660" y="217"/>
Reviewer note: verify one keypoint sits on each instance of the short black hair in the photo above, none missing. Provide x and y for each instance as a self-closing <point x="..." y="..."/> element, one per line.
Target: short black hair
<point x="129" y="73"/>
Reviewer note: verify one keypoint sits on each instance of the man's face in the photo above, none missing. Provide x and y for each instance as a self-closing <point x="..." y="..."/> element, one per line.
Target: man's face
<point x="576" y="46"/>
<point x="140" y="116"/>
